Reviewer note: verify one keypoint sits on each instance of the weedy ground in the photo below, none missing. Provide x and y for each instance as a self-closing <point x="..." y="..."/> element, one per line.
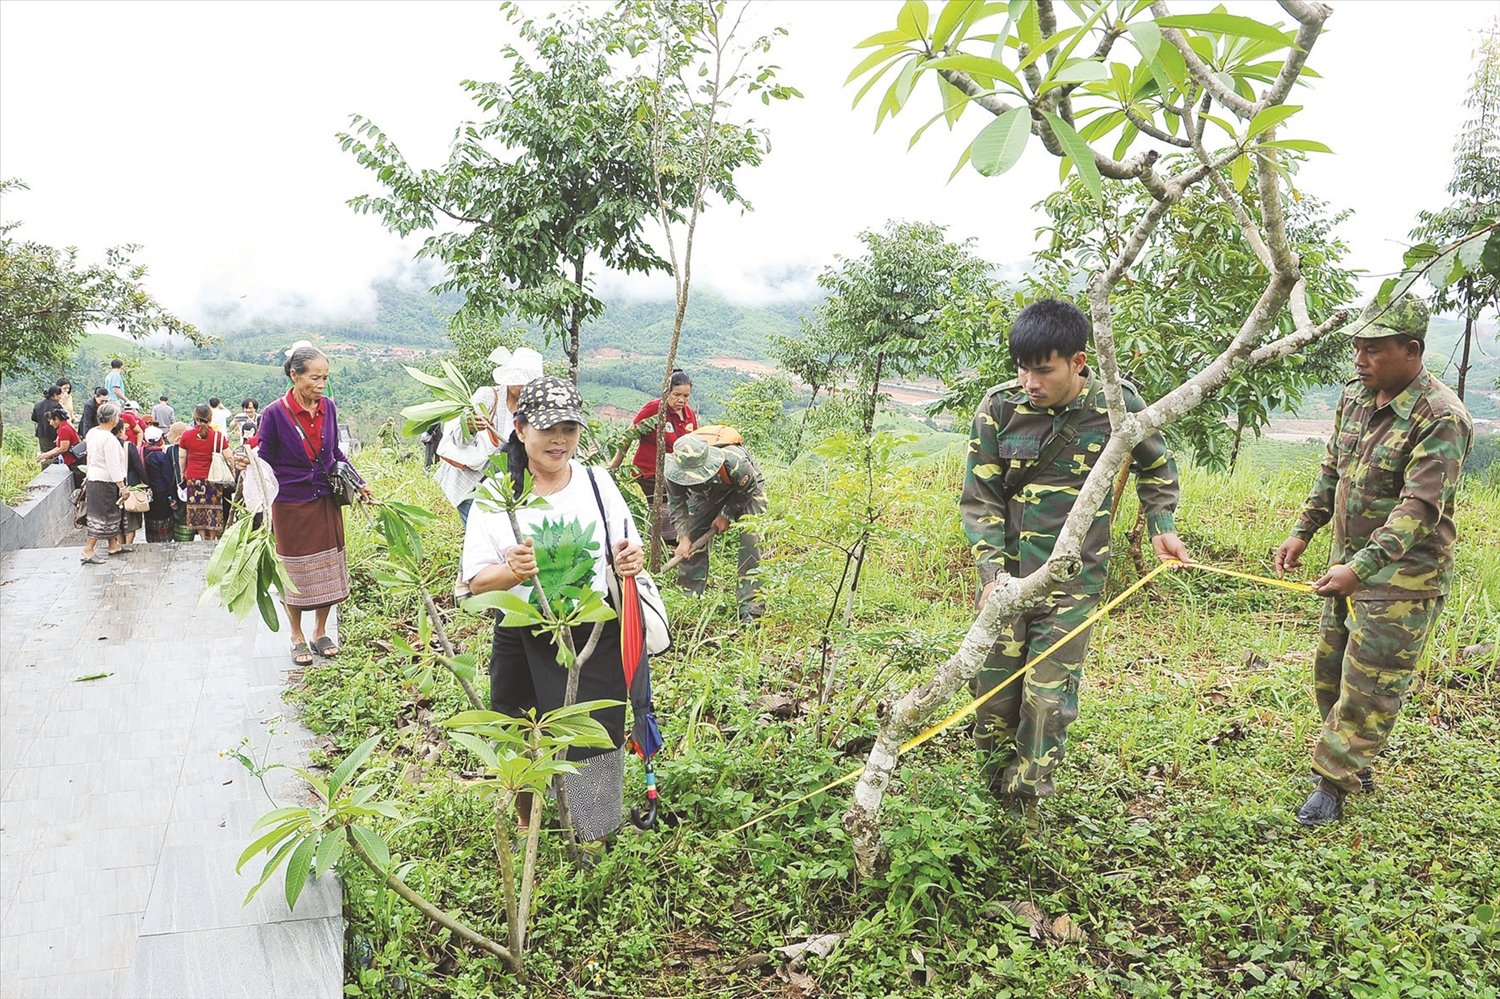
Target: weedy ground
<point x="1170" y="847"/>
<point x="18" y="465"/>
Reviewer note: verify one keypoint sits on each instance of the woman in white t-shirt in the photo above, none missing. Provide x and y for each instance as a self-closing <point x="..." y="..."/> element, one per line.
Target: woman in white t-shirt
<point x="524" y="672"/>
<point x="462" y="462"/>
<point x="102" y="487"/>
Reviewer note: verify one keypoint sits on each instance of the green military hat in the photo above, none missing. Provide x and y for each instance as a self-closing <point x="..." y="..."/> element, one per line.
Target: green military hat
<point x="1405" y="315"/>
<point x="693" y="461"/>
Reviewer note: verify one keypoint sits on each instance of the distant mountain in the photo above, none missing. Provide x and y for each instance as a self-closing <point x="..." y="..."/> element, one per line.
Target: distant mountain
<point x="411" y="318"/>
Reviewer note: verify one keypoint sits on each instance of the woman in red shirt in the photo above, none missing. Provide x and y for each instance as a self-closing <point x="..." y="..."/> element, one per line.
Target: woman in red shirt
<point x="67" y="438"/>
<point x="205" y="501"/>
<point x="680" y="420"/>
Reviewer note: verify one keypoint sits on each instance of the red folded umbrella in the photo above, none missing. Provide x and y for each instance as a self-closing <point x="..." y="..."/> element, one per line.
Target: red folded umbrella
<point x="632" y="631"/>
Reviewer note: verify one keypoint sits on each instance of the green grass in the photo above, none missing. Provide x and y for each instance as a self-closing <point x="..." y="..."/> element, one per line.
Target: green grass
<point x="18" y="465"/>
<point x="1170" y="844"/>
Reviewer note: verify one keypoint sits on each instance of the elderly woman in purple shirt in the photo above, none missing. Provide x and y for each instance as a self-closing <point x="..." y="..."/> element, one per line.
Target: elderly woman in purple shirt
<point x="299" y="439"/>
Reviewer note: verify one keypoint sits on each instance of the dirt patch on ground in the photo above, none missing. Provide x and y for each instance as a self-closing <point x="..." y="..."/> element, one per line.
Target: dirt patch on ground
<point x="1298" y="430"/>
<point x="743" y="364"/>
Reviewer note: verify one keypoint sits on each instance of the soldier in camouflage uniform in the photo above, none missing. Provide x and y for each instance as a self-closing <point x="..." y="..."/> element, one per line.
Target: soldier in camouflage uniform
<point x="713" y="486"/>
<point x="1391" y="469"/>
<point x="1018" y="490"/>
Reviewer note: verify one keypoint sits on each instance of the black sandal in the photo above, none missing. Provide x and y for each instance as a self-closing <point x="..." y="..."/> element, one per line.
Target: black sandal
<point x="326" y="647"/>
<point x="301" y="656"/>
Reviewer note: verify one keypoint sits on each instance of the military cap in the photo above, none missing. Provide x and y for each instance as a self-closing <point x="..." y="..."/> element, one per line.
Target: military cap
<point x="1406" y="315"/>
<point x="693" y="461"/>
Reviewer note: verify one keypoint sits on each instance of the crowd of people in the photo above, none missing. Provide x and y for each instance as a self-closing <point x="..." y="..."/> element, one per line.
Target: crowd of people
<point x="141" y="471"/>
<point x="1387" y="487"/>
<point x="146" y="471"/>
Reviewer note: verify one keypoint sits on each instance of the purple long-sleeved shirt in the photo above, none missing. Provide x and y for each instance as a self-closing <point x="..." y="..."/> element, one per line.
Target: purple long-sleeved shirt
<point x="299" y="480"/>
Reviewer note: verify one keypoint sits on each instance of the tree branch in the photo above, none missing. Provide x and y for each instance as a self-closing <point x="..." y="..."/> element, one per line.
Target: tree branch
<point x="1311" y="16"/>
<point x="1200" y="72"/>
<point x="1241" y="214"/>
<point x="1137" y="167"/>
<point x="1161" y="134"/>
<point x="1273" y="218"/>
<point x="429" y="910"/>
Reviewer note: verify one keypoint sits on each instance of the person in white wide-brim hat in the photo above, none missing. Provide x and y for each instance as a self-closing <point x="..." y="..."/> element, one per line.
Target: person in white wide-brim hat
<point x="462" y="462"/>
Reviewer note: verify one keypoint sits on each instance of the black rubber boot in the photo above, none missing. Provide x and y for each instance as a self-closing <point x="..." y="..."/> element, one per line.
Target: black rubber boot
<point x="1324" y="805"/>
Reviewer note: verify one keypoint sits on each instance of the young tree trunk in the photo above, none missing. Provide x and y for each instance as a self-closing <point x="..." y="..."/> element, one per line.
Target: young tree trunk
<point x="571" y="345"/>
<point x="1239" y="434"/>
<point x="1463" y="366"/>
<point x="659" y="492"/>
<point x="874" y="396"/>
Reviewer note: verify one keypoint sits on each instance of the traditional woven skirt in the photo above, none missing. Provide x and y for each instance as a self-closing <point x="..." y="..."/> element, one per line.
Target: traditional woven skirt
<point x="159" y="520"/>
<point x="310" y="540"/>
<point x="131" y="522"/>
<point x="205" y="505"/>
<point x="102" y="501"/>
<point x="525" y="675"/>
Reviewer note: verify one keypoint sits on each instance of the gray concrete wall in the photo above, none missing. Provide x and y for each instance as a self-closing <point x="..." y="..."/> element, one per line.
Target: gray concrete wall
<point x="44" y="519"/>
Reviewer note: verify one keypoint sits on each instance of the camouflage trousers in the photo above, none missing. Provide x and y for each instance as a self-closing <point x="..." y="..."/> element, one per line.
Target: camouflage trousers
<point x="1022" y="731"/>
<point x="692" y="573"/>
<point x="1366" y="660"/>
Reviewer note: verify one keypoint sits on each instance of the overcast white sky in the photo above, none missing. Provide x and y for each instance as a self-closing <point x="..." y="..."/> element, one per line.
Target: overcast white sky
<point x="205" y="132"/>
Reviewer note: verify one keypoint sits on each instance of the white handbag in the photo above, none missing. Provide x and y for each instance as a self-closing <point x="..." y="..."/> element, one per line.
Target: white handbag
<point x="653" y="608"/>
<point x="219" y="472"/>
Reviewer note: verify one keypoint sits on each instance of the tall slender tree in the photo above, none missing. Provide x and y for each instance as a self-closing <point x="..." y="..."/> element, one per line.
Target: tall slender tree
<point x="569" y="186"/>
<point x="1476" y="190"/>
<point x="700" y="64"/>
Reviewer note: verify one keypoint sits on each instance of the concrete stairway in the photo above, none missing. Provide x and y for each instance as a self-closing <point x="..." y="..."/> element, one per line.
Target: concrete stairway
<point x="120" y="823"/>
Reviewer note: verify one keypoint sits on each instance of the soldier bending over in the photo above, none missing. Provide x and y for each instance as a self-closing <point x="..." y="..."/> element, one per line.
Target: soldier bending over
<point x="1034" y="442"/>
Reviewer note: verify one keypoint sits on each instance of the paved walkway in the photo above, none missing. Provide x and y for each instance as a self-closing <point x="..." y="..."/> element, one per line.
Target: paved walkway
<point x="120" y="824"/>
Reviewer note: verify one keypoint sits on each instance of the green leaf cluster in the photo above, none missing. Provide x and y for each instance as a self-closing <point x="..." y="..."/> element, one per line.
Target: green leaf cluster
<point x="1474" y="256"/>
<point x="451" y="401"/>
<point x="311" y="840"/>
<point x="244" y="571"/>
<point x="565" y="558"/>
<point x="1077" y="87"/>
<point x="524" y="753"/>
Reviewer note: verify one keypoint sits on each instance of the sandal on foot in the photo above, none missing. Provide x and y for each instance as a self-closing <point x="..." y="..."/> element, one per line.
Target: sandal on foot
<point x="326" y="647"/>
<point x="123" y="550"/>
<point x="300" y="655"/>
<point x="95" y="560"/>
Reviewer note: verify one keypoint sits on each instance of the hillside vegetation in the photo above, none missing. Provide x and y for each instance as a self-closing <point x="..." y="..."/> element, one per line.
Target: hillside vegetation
<point x="1168" y="865"/>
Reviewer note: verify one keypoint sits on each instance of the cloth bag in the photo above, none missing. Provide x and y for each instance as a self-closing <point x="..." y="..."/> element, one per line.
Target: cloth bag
<point x="219" y="472"/>
<point x="136" y="500"/>
<point x="653" y="608"/>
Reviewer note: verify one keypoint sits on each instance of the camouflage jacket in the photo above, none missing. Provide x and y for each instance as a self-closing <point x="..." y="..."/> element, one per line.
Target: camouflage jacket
<point x="736" y="489"/>
<point x="1388" y="480"/>
<point x="1019" y="535"/>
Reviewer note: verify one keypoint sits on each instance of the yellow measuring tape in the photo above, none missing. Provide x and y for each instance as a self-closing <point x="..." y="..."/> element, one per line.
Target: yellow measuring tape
<point x="974" y="705"/>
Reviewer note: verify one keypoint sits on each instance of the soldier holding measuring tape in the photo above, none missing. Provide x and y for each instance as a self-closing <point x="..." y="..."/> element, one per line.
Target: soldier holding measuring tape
<point x="1035" y="440"/>
<point x="1387" y="485"/>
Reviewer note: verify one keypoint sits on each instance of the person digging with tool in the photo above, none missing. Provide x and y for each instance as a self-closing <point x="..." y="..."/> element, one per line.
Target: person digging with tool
<point x="708" y="488"/>
<point x="1390" y="472"/>
<point x="1034" y="442"/>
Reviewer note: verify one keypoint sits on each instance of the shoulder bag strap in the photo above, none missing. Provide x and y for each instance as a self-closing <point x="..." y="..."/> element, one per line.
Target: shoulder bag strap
<point x="609" y="549"/>
<point x="297" y="426"/>
<point x="1059" y="440"/>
